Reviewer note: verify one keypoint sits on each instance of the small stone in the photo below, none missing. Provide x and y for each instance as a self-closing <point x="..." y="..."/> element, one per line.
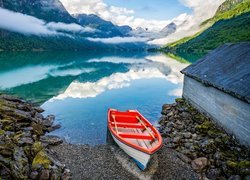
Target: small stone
<point x="166" y="130"/>
<point x="44" y="175"/>
<point x="244" y="171"/>
<point x="49" y="120"/>
<point x="38" y="115"/>
<point x="187" y="135"/>
<point x="199" y="164"/>
<point x="183" y="158"/>
<point x="38" y="109"/>
<point x="170" y="124"/>
<point x="170" y="145"/>
<point x="34" y="175"/>
<point x="25" y="141"/>
<point x="188" y="145"/>
<point x="24" y="107"/>
<point x="247" y="177"/>
<point x="55" y="127"/>
<point x="4" y="160"/>
<point x="177" y="139"/>
<point x="51" y="140"/>
<point x="171" y="113"/>
<point x="37" y="128"/>
<point x="234" y="177"/>
<point x="66" y="174"/>
<point x="178" y="122"/>
<point x="11" y="98"/>
<point x="185" y="114"/>
<point x="213" y="174"/>
<point x="166" y="140"/>
<point x="208" y="146"/>
<point x="194" y="136"/>
<point x="28" y="128"/>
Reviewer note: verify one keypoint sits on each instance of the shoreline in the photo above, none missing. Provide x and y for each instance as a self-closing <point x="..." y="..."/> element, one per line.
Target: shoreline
<point x="24" y="147"/>
<point x="211" y="152"/>
<point x="194" y="148"/>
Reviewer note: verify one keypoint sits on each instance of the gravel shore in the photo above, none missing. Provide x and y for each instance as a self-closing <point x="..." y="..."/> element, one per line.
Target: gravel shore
<point x="110" y="162"/>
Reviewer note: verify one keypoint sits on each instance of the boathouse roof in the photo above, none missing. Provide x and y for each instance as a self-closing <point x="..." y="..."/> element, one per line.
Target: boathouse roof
<point x="227" y="68"/>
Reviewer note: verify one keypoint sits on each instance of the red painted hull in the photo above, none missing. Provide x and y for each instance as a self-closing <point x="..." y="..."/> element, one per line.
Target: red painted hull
<point x="134" y="130"/>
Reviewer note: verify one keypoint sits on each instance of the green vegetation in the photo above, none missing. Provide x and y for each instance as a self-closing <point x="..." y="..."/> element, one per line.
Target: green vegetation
<point x="176" y="57"/>
<point x="231" y="24"/>
<point x="229" y="10"/>
<point x="225" y="31"/>
<point x="183" y="40"/>
<point x="11" y="41"/>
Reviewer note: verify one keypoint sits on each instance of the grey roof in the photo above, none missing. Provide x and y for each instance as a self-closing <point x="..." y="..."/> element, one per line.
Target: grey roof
<point x="226" y="68"/>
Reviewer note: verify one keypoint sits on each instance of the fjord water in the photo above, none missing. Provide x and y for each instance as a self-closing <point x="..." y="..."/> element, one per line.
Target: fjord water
<point x="78" y="88"/>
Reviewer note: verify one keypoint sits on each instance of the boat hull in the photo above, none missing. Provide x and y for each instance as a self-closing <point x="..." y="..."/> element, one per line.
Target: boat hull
<point x="140" y="158"/>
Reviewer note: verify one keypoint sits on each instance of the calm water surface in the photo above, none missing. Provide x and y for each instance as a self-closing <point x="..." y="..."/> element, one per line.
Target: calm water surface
<point x="80" y="87"/>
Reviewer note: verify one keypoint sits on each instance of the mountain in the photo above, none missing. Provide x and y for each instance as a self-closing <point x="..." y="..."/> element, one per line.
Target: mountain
<point x="169" y="29"/>
<point x="230" y="24"/>
<point x="229" y="9"/>
<point x="227" y="6"/>
<point x="48" y="10"/>
<point x="125" y="30"/>
<point x="105" y="28"/>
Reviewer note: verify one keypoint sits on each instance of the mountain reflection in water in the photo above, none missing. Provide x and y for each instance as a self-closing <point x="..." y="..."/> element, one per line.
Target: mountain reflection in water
<point x="79" y="87"/>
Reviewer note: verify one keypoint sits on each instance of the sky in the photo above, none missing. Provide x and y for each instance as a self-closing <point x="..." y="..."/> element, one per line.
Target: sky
<point x="152" y="9"/>
<point x="151" y="14"/>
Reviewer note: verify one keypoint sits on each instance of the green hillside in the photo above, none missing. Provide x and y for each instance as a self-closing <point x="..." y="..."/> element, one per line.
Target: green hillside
<point x="229" y="9"/>
<point x="231" y="24"/>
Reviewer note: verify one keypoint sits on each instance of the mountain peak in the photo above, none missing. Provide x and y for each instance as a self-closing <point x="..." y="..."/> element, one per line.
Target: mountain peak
<point x="228" y="5"/>
<point x="48" y="10"/>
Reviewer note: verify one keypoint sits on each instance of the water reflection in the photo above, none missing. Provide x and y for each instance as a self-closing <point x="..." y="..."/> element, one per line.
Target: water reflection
<point x="79" y="87"/>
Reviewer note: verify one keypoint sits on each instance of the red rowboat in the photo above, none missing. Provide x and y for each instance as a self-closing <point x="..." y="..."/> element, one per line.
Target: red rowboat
<point x="134" y="134"/>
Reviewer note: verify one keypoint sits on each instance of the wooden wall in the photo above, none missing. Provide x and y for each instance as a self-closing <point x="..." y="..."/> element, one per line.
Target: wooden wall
<point x="230" y="113"/>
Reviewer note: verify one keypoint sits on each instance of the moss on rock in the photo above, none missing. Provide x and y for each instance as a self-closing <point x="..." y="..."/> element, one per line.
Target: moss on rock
<point x="36" y="147"/>
<point x="41" y="160"/>
<point x="2" y="132"/>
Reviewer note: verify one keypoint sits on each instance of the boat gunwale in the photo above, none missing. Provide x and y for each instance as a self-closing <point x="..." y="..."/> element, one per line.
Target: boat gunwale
<point x="147" y="151"/>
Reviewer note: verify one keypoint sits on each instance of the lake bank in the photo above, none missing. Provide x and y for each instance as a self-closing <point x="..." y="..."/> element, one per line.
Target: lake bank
<point x="24" y="152"/>
<point x="206" y="147"/>
<point x="193" y="147"/>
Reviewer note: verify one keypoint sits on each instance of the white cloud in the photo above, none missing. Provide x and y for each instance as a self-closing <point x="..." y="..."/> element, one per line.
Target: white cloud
<point x="115" y="81"/>
<point x="68" y="27"/>
<point x="117" y="15"/>
<point x="23" y="23"/>
<point x="156" y="66"/>
<point x="14" y="78"/>
<point x="188" y="24"/>
<point x="118" y="40"/>
<point x="176" y="92"/>
<point x="174" y="75"/>
<point x="26" y="24"/>
<point x="118" y="60"/>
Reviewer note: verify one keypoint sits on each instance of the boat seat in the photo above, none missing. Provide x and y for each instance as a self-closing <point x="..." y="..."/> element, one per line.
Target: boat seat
<point x="135" y="136"/>
<point x="127" y="125"/>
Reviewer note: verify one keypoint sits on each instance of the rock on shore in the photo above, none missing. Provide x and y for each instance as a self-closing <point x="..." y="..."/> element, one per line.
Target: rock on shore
<point x="24" y="152"/>
<point x="211" y="152"/>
